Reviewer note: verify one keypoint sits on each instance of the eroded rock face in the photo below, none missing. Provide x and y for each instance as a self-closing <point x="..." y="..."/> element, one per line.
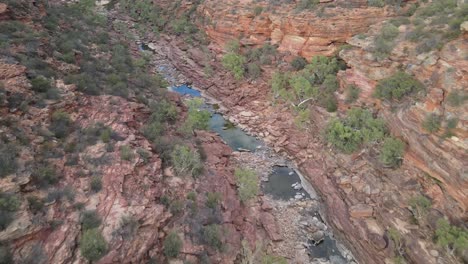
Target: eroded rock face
<point x="319" y="31"/>
<point x="442" y="73"/>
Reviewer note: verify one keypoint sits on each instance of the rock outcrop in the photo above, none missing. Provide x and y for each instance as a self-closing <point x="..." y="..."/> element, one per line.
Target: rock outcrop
<point x="318" y="31"/>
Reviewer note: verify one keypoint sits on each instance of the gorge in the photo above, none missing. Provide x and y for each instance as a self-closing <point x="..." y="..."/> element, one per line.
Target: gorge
<point x="362" y="102"/>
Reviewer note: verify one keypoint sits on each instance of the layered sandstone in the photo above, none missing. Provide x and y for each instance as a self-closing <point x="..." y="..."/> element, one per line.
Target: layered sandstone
<point x="320" y="31"/>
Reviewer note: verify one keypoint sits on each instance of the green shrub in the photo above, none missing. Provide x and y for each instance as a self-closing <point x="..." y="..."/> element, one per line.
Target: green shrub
<point x="163" y="111"/>
<point x="302" y="88"/>
<point x="320" y="67"/>
<point x="279" y="83"/>
<point x="93" y="245"/>
<point x="391" y="153"/>
<point x="153" y="130"/>
<point x="258" y="10"/>
<point x="36" y="204"/>
<point x="96" y="183"/>
<point x="376" y="3"/>
<point x="192" y="196"/>
<point x="126" y="153"/>
<point x="253" y="70"/>
<point x="330" y="83"/>
<point x="60" y="124"/>
<point x="9" y="202"/>
<point x="212" y="199"/>
<point x="40" y="84"/>
<point x="172" y="245"/>
<point x="306" y="4"/>
<point x="432" y="123"/>
<point x="212" y="236"/>
<point x="235" y="64"/>
<point x="8" y="163"/>
<point x="90" y="219"/>
<point x="176" y="207"/>
<point x="196" y="118"/>
<point x="247" y="183"/>
<point x="456" y="98"/>
<point x="359" y="127"/>
<point x="45" y="175"/>
<point x="420" y="206"/>
<point x="186" y="161"/>
<point x="352" y="94"/>
<point x="298" y="63"/>
<point x="450" y="236"/>
<point x="329" y="102"/>
<point x="384" y="43"/>
<point x="397" y="86"/>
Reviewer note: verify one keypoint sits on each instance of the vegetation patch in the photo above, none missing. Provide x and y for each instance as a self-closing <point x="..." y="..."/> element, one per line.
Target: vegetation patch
<point x="247" y="183"/>
<point x="398" y="86"/>
<point x="357" y="128"/>
<point x="93" y="245"/>
<point x="172" y="245"/>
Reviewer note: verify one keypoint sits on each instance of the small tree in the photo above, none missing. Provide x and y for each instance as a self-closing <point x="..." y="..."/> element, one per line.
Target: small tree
<point x="391" y="153"/>
<point x="90" y="219"/>
<point x="235" y="64"/>
<point x="61" y="124"/>
<point x="397" y="86"/>
<point x="298" y="63"/>
<point x="126" y="153"/>
<point x="452" y="237"/>
<point x="432" y="123"/>
<point x="93" y="245"/>
<point x="186" y="161"/>
<point x="420" y="205"/>
<point x="196" y="118"/>
<point x="212" y="199"/>
<point x="96" y="183"/>
<point x="41" y="84"/>
<point x="7" y="159"/>
<point x="212" y="236"/>
<point x="172" y="245"/>
<point x="247" y="183"/>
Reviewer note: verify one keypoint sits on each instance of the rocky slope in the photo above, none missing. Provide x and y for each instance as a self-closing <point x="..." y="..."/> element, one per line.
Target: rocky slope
<point x="119" y="176"/>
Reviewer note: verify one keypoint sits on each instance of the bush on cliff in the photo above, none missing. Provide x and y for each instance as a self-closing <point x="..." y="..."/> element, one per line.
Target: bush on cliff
<point x="172" y="245"/>
<point x="357" y="128"/>
<point x="186" y="161"/>
<point x="451" y="237"/>
<point x="432" y="123"/>
<point x="397" y="86"/>
<point x="197" y="118"/>
<point x="60" y="124"/>
<point x="235" y="64"/>
<point x="298" y="63"/>
<point x="212" y="236"/>
<point x="93" y="245"/>
<point x="7" y="159"/>
<point x="246" y="183"/>
<point x="391" y="153"/>
<point x="9" y="203"/>
<point x="90" y="219"/>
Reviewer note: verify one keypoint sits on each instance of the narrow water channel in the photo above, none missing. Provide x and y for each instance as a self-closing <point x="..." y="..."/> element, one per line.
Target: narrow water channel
<point x="284" y="183"/>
